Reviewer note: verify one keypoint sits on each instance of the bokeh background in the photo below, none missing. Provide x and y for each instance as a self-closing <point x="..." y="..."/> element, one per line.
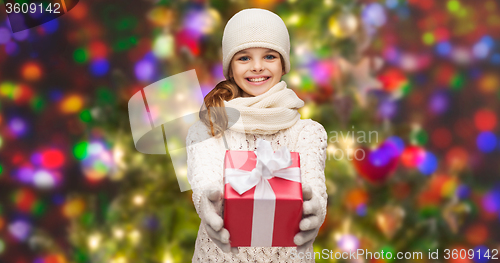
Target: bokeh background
<point x="420" y="74"/>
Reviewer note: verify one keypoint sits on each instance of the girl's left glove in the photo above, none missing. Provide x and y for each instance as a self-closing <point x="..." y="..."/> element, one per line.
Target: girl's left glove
<point x="310" y="223"/>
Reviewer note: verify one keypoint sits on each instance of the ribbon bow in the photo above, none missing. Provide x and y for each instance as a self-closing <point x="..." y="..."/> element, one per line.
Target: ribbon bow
<point x="269" y="164"/>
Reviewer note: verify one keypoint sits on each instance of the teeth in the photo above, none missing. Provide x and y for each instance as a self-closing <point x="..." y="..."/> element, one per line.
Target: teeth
<point x="257" y="79"/>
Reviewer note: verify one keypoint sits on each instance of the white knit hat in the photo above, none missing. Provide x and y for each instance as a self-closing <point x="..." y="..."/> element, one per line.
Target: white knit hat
<point x="255" y="27"/>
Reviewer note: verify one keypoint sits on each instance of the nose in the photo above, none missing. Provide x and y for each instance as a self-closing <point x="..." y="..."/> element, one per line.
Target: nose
<point x="257" y="66"/>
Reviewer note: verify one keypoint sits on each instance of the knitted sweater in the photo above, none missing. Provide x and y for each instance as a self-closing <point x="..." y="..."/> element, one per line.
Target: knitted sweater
<point x="205" y="169"/>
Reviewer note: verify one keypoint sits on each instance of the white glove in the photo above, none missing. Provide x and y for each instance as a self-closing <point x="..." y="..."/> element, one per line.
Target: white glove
<point x="310" y="223"/>
<point x="211" y="211"/>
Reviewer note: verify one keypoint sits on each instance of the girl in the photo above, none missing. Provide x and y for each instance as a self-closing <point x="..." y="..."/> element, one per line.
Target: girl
<point x="255" y="48"/>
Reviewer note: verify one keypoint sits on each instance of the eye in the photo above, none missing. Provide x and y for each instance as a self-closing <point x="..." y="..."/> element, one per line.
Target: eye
<point x="270" y="56"/>
<point x="242" y="58"/>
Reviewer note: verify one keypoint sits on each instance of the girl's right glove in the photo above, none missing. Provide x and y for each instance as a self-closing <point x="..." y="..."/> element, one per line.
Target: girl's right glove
<point x="211" y="210"/>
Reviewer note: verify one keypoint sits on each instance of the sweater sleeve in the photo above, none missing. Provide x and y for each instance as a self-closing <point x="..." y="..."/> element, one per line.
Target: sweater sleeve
<point x="204" y="162"/>
<point x="311" y="145"/>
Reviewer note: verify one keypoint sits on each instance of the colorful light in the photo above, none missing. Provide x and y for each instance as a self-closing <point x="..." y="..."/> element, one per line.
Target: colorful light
<point x="52" y="159"/>
<point x="444" y="48"/>
<point x="163" y="46"/>
<point x="391" y="54"/>
<point x="81" y="55"/>
<point x="453" y="6"/>
<point x="412" y="156"/>
<point x="73" y="208"/>
<point x="18" y="126"/>
<point x="21" y="35"/>
<point x="449" y="187"/>
<point x="463" y="191"/>
<point x="429" y="165"/>
<point x="457" y="158"/>
<point x="486" y="141"/>
<point x="144" y="70"/>
<point x="480" y="50"/>
<point x="202" y="22"/>
<point x="24" y="199"/>
<point x="361" y="210"/>
<point x="98" y="163"/>
<point x="161" y="16"/>
<point x="85" y="116"/>
<point x="44" y="180"/>
<point x="98" y="50"/>
<point x="94" y="241"/>
<point x="55" y="258"/>
<point x="4" y="35"/>
<point x="138" y="200"/>
<point x="485" y="120"/>
<point x="383" y="154"/>
<point x="79" y="11"/>
<point x="323" y="71"/>
<point x="442" y="34"/>
<point x="356" y="198"/>
<point x="343" y="25"/>
<point x="99" y="67"/>
<point x="348" y="243"/>
<point x="398" y="143"/>
<point x="218" y="74"/>
<point x="20" y="229"/>
<point x="461" y="55"/>
<point x="72" y="104"/>
<point x="393" y="79"/>
<point x="11" y="48"/>
<point x="80" y="150"/>
<point x="391" y="4"/>
<point x="51" y="26"/>
<point x="419" y="136"/>
<point x="495" y="59"/>
<point x="489" y="83"/>
<point x="374" y="14"/>
<point x="31" y="71"/>
<point x="439" y="102"/>
<point x="387" y="109"/>
<point x="25" y="175"/>
<point x="491" y="201"/>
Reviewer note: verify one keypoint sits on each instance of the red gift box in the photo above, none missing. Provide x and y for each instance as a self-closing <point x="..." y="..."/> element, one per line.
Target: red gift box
<point x="254" y="219"/>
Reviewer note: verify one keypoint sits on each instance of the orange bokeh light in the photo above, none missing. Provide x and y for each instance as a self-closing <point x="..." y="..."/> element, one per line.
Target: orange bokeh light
<point x="31" y="71"/>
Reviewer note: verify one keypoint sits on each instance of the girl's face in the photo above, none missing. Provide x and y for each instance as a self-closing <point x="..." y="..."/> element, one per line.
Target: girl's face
<point x="256" y="70"/>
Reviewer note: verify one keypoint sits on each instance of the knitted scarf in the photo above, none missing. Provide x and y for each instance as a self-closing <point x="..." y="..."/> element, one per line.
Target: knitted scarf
<point x="267" y="113"/>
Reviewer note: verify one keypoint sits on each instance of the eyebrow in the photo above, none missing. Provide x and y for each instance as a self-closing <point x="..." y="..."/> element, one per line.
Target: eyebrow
<point x="246" y="52"/>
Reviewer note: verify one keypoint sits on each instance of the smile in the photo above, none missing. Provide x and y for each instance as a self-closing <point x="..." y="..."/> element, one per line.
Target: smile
<point x="258" y="81"/>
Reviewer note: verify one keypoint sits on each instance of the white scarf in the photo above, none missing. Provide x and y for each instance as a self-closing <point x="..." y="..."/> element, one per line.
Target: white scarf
<point x="267" y="113"/>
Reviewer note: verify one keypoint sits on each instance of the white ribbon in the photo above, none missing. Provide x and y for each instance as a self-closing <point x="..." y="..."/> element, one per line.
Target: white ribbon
<point x="269" y="164"/>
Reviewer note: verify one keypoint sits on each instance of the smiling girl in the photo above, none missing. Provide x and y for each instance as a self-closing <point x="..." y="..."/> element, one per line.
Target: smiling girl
<point x="255" y="49"/>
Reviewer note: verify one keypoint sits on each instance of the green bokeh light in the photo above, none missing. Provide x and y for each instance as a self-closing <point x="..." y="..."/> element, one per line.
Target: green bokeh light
<point x="85" y="116"/>
<point x="81" y="150"/>
<point x="37" y="104"/>
<point x="457" y="82"/>
<point x="81" y="55"/>
<point x="420" y="136"/>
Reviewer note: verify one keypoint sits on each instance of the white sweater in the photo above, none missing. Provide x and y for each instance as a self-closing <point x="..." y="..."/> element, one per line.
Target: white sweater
<point x="205" y="169"/>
